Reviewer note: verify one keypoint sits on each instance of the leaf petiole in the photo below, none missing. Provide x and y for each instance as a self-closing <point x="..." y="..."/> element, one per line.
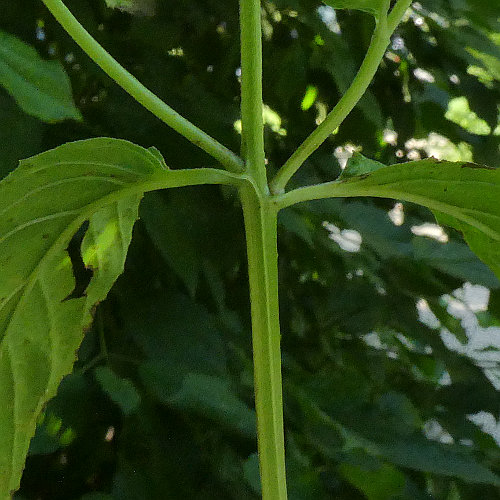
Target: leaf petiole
<point x="139" y="92"/>
<point x="384" y="28"/>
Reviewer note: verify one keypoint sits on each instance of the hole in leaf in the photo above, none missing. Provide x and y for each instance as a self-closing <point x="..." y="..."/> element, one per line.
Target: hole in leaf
<point x="82" y="274"/>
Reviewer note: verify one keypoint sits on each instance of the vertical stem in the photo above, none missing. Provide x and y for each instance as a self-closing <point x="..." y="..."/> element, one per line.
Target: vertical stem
<point x="261" y="233"/>
<point x="261" y="230"/>
<point x="251" y="92"/>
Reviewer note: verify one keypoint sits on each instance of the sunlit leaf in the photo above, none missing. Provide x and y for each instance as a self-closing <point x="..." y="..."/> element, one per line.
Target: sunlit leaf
<point x="43" y="203"/>
<point x="460" y="113"/>
<point x="47" y="293"/>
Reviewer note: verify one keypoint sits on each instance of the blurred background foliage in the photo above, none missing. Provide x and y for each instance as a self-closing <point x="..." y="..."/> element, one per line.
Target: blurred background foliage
<point x="391" y="326"/>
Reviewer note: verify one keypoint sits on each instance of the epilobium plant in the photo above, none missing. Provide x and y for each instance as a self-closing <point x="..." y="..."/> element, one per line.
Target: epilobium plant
<point x="101" y="181"/>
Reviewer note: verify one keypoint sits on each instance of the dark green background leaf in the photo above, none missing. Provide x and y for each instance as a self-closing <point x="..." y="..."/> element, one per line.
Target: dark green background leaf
<point x="41" y="88"/>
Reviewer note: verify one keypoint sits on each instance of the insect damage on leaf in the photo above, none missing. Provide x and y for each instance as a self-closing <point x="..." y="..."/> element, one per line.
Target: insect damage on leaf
<point x="83" y="274"/>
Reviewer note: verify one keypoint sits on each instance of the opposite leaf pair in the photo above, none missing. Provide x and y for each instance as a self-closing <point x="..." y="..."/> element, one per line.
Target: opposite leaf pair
<point x="48" y="198"/>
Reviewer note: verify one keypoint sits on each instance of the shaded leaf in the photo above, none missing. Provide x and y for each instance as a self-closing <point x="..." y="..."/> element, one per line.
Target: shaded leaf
<point x="455" y="259"/>
<point x="121" y="391"/>
<point x="417" y="453"/>
<point x="251" y="473"/>
<point x="20" y="134"/>
<point x="370" y="431"/>
<point x="172" y="240"/>
<point x="335" y="58"/>
<point x="41" y="88"/>
<point x="380" y="484"/>
<point x="205" y="395"/>
<point x="160" y="330"/>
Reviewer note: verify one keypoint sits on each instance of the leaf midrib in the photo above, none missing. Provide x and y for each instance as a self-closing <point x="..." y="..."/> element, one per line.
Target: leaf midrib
<point x="154" y="182"/>
<point x="447" y="208"/>
<point x="66" y="235"/>
<point x="356" y="187"/>
<point x="59" y="182"/>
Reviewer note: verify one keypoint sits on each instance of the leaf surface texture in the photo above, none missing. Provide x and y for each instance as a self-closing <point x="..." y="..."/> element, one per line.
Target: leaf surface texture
<point x="42" y="318"/>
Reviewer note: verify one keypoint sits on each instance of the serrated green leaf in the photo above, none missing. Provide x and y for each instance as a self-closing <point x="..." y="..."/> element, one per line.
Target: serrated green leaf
<point x="461" y="195"/>
<point x="373" y="7"/>
<point x="40" y="87"/>
<point x="42" y="205"/>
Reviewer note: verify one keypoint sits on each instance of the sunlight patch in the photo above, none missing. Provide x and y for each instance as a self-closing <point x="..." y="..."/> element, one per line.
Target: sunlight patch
<point x="430" y="230"/>
<point x="459" y="112"/>
<point x="397" y="214"/>
<point x="348" y="240"/>
<point x="439" y="147"/>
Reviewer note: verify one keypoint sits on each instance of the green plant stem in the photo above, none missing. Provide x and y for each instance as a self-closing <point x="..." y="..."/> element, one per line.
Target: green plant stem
<point x="261" y="231"/>
<point x="251" y="92"/>
<point x="138" y="91"/>
<point x="397" y="14"/>
<point x="374" y="55"/>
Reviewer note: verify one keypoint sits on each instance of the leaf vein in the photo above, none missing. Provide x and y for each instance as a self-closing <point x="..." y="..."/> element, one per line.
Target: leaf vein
<point x="61" y="182"/>
<point x="33" y="222"/>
